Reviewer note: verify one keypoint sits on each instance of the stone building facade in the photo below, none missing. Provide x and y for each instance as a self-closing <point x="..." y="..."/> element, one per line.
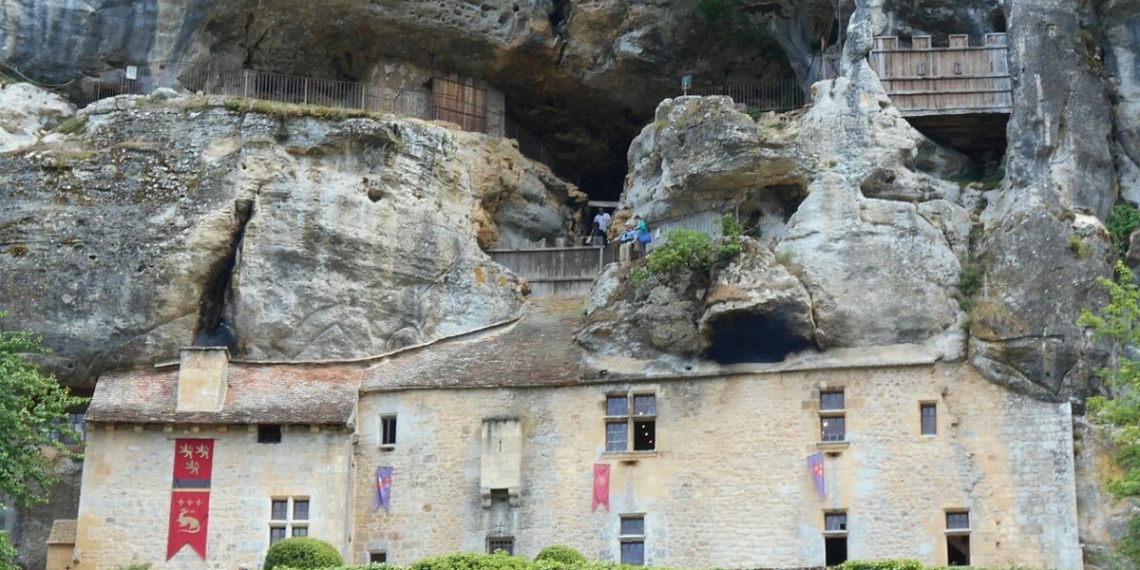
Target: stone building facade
<point x="494" y="441"/>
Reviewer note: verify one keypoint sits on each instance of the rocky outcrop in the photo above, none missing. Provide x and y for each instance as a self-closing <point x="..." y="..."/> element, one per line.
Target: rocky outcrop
<point x="840" y="194"/>
<point x="284" y="236"/>
<point x="25" y="112"/>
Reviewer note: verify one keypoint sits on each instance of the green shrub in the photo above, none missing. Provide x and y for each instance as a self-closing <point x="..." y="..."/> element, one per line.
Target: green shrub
<point x="559" y="553"/>
<point x="72" y="125"/>
<point x="1123" y="220"/>
<point x="899" y="564"/>
<point x="302" y="553"/>
<point x="1078" y="246"/>
<point x="473" y="561"/>
<point x="685" y="249"/>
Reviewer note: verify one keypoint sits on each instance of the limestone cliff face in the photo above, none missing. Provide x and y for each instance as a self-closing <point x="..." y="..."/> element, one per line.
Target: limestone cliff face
<point x="288" y="238"/>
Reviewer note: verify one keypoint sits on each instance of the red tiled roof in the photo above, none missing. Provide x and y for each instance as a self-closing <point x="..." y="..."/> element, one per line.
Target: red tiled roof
<point x="255" y="395"/>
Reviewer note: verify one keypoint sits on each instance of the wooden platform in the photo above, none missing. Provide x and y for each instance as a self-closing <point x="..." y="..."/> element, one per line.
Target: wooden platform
<point x="925" y="81"/>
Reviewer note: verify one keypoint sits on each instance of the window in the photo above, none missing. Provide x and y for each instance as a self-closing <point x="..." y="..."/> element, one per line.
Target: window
<point x="957" y="538"/>
<point x="268" y="433"/>
<point x="929" y="414"/>
<point x="387" y="430"/>
<point x="642" y="422"/>
<point x="377" y="556"/>
<point x="835" y="538"/>
<point x="74" y="422"/>
<point x="504" y="543"/>
<point x="288" y="517"/>
<point x="832" y="416"/>
<point x="632" y="536"/>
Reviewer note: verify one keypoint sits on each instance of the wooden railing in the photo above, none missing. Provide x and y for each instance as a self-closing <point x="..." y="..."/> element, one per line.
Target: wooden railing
<point x="958" y="79"/>
<point x="557" y="271"/>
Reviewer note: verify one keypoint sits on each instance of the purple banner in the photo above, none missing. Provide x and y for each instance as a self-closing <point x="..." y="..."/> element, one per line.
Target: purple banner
<point x="815" y="466"/>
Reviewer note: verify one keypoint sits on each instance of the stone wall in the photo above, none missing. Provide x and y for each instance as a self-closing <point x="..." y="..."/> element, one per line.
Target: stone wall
<point x="124" y="508"/>
<point x="728" y="485"/>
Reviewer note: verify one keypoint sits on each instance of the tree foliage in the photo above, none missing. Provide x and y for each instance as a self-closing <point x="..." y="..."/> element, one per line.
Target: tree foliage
<point x="1123" y="220"/>
<point x="1118" y="323"/>
<point x="33" y="409"/>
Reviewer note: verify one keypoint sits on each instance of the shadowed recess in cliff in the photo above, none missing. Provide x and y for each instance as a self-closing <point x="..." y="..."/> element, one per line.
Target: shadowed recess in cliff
<point x="215" y="320"/>
<point x="738" y="337"/>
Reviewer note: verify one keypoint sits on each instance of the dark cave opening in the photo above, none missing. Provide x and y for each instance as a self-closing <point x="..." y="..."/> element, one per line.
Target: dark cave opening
<point x="739" y="337"/>
<point x="215" y="326"/>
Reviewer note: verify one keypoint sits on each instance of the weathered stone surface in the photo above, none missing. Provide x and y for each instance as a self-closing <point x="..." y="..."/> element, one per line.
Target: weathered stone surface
<point x="288" y="238"/>
<point x="756" y="310"/>
<point x="25" y="111"/>
<point x="1040" y="263"/>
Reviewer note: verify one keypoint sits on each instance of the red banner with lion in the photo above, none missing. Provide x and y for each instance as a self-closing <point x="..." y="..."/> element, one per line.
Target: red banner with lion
<point x="190" y="496"/>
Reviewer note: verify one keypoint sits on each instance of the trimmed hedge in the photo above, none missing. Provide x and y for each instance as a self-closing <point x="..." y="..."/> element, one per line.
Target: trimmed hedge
<point x="560" y="554"/>
<point x="555" y="558"/>
<point x="302" y="553"/>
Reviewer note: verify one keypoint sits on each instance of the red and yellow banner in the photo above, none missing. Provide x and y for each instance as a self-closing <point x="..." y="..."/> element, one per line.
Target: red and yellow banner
<point x="190" y="496"/>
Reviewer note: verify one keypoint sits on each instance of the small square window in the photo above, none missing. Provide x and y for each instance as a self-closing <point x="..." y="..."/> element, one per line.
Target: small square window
<point x="617" y="406"/>
<point x="300" y="531"/>
<point x="276" y="533"/>
<point x="633" y="526"/>
<point x="645" y="405"/>
<point x="831" y="400"/>
<point x="617" y="436"/>
<point x="377" y="557"/>
<point x="300" y="509"/>
<point x="633" y="553"/>
<point x="279" y="510"/>
<point x="388" y="430"/>
<point x="833" y="428"/>
<point x="644" y="435"/>
<point x="504" y="543"/>
<point x="268" y="433"/>
<point x="958" y="521"/>
<point x="835" y="522"/>
<point x="929" y="415"/>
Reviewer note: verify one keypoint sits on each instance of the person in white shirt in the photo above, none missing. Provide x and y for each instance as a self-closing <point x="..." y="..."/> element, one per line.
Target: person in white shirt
<point x="601" y="224"/>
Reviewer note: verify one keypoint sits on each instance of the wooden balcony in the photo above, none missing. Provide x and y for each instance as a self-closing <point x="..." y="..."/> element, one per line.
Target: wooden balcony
<point x="959" y="95"/>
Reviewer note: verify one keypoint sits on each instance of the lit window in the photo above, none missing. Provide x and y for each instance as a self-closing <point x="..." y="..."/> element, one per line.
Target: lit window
<point x="387" y="430"/>
<point x="288" y="516"/>
<point x="636" y="431"/>
<point x="632" y="536"/>
<point x="929" y="415"/>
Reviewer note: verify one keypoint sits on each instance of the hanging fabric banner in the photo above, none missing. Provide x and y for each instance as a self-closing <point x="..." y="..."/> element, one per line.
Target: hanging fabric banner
<point x="815" y="466"/>
<point x="601" y="486"/>
<point x="190" y="496"/>
<point x="383" y="489"/>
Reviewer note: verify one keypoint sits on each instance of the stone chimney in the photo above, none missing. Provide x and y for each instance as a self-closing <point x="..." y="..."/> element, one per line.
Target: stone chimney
<point x="202" y="378"/>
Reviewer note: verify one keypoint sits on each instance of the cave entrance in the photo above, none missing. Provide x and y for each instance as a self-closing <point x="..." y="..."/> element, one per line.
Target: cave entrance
<point x="977" y="135"/>
<point x="739" y="337"/>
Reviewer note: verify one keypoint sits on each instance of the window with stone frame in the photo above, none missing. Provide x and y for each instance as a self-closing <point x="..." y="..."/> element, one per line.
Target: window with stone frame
<point x="388" y="430"/>
<point x="504" y="543"/>
<point x="631" y="533"/>
<point x="288" y="517"/>
<point x="958" y="538"/>
<point x="832" y="415"/>
<point x="835" y="537"/>
<point x="631" y="422"/>
<point x="928" y="412"/>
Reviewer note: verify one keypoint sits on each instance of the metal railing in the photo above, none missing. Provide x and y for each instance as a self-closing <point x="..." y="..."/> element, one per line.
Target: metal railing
<point x="248" y="83"/>
<point x="782" y="95"/>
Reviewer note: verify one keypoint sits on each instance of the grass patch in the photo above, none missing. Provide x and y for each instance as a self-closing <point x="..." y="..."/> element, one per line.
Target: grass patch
<point x="292" y="110"/>
<point x="1078" y="246"/>
<point x="72" y="126"/>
